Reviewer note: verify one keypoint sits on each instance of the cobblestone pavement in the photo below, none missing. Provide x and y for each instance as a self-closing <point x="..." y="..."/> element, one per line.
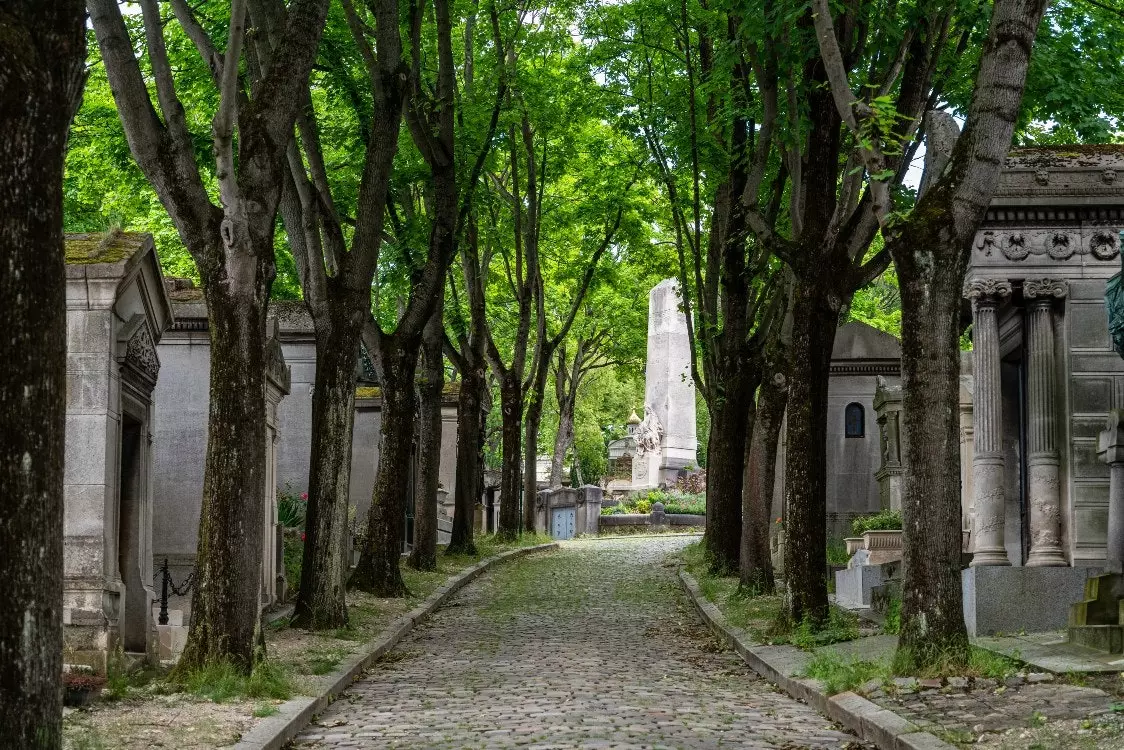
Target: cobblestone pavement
<point x="593" y="646"/>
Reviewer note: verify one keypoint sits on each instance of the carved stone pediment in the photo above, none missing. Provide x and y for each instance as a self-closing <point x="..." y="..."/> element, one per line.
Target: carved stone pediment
<point x="275" y="368"/>
<point x="138" y="351"/>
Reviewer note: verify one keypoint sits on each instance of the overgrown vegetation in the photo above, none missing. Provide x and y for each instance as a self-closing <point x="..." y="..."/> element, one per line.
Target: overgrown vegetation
<point x="886" y="520"/>
<point x="674" y="501"/>
<point x="763" y="617"/>
<point x="222" y="681"/>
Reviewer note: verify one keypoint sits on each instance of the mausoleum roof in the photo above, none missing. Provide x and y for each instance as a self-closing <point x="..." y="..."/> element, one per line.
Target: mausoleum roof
<point x="104" y="247"/>
<point x="1065" y="175"/>
<point x="857" y="341"/>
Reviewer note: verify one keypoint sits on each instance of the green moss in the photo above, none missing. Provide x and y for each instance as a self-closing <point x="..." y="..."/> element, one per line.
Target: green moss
<point x="109" y="247"/>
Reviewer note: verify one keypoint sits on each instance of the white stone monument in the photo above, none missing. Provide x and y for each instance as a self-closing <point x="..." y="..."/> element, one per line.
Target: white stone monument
<point x="669" y="393"/>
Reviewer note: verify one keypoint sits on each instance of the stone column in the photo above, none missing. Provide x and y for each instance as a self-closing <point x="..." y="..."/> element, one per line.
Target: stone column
<point x="1042" y="442"/>
<point x="1110" y="448"/>
<point x="987" y="462"/>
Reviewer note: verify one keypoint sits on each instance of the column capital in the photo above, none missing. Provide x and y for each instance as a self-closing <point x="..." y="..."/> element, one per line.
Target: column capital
<point x="1045" y="290"/>
<point x="986" y="290"/>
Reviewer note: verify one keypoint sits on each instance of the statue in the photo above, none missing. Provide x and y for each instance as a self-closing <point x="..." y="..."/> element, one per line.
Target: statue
<point x="648" y="433"/>
<point x="1114" y="305"/>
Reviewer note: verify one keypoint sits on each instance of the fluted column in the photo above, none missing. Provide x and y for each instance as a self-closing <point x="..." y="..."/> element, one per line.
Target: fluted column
<point x="1042" y="442"/>
<point x="987" y="462"/>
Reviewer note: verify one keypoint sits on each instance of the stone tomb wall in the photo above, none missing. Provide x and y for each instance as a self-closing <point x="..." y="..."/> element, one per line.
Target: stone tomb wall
<point x="116" y="313"/>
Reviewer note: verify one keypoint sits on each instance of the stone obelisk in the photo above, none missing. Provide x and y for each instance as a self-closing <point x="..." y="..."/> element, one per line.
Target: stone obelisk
<point x="669" y="391"/>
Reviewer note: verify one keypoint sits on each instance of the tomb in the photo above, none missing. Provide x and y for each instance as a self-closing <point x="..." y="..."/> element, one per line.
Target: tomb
<point x="116" y="314"/>
<point x="1043" y="376"/>
<point x="861" y="359"/>
<point x="183" y="404"/>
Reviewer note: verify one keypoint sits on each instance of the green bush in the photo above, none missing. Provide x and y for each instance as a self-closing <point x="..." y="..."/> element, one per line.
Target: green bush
<point x="294" y="554"/>
<point x="837" y="553"/>
<point x="887" y="520"/>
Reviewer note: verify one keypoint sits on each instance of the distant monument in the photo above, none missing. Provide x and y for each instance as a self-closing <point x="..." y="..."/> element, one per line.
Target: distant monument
<point x="666" y="440"/>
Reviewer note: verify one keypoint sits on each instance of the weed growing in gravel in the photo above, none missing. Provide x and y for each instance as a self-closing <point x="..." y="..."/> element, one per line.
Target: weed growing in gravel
<point x="839" y="674"/>
<point x="263" y="710"/>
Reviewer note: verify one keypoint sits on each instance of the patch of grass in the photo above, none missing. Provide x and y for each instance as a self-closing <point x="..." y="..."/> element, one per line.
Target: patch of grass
<point x="88" y="739"/>
<point x="981" y="663"/>
<point x="323" y="661"/>
<point x="893" y="623"/>
<point x="839" y="675"/>
<point x="263" y="710"/>
<point x="837" y="553"/>
<point x="223" y="681"/>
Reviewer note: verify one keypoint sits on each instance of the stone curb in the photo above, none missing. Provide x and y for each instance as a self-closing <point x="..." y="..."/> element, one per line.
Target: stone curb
<point x="781" y="665"/>
<point x="293" y="715"/>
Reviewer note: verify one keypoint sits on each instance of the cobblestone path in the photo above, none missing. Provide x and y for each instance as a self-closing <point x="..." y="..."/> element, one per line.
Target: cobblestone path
<point x="593" y="646"/>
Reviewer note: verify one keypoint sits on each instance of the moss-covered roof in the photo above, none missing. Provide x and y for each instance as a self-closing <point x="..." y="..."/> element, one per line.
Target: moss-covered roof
<point x="449" y="390"/>
<point x="103" y="247"/>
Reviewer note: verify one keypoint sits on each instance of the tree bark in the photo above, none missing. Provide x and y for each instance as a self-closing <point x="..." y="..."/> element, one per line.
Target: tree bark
<point x="756" y="564"/>
<point x="813" y="334"/>
<point x="563" y="440"/>
<point x="321" y="602"/>
<point x="725" y="453"/>
<point x="430" y="386"/>
<point x="378" y="572"/>
<point x="225" y="602"/>
<point x="42" y="73"/>
<point x="932" y="608"/>
<point x="931" y="251"/>
<point x="531" y="421"/>
<point x="470" y="478"/>
<point x="511" y="404"/>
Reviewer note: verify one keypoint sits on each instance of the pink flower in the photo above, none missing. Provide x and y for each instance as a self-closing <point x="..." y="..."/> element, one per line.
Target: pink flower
<point x="304" y="497"/>
<point x="302" y="536"/>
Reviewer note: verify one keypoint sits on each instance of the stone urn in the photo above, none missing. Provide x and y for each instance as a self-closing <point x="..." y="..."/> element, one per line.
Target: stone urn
<point x="854" y="544"/>
<point x="884" y="546"/>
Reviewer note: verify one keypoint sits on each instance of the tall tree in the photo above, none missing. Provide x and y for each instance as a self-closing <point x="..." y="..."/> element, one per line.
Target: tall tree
<point x="232" y="246"/>
<point x="432" y="124"/>
<point x="931" y="248"/>
<point x="336" y="279"/>
<point x="42" y="73"/>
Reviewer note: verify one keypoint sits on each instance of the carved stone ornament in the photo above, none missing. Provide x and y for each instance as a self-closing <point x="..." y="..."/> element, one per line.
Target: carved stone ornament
<point x="980" y="290"/>
<point x="1015" y="247"/>
<point x="1108" y="176"/>
<point x="1042" y="177"/>
<point x="140" y="354"/>
<point x="1060" y="246"/>
<point x="1102" y="244"/>
<point x="986" y="242"/>
<point x="1046" y="288"/>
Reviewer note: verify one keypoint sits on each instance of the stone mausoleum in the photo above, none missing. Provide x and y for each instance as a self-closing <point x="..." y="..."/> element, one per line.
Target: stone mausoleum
<point x="1043" y="376"/>
<point x="861" y="358"/>
<point x="116" y="313"/>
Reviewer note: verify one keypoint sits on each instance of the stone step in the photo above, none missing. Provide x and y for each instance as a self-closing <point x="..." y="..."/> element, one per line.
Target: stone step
<point x="1103" y="603"/>
<point x="1108" y="638"/>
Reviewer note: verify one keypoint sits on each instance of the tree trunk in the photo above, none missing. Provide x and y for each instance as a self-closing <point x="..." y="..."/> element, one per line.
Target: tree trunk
<point x="756" y="565"/>
<point x="470" y="477"/>
<point x="511" y="402"/>
<point x="321" y="601"/>
<point x="932" y="620"/>
<point x="226" y="602"/>
<point x="531" y="422"/>
<point x="563" y="440"/>
<point x="430" y="386"/>
<point x="378" y="572"/>
<point x="725" y="453"/>
<point x="42" y="56"/>
<point x="813" y="334"/>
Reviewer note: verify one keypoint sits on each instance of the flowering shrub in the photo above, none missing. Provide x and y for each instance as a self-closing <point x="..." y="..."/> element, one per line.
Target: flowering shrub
<point x="291" y="508"/>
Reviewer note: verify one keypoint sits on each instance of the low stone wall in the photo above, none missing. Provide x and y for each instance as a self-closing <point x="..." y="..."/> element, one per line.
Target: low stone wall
<point x="634" y="522"/>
